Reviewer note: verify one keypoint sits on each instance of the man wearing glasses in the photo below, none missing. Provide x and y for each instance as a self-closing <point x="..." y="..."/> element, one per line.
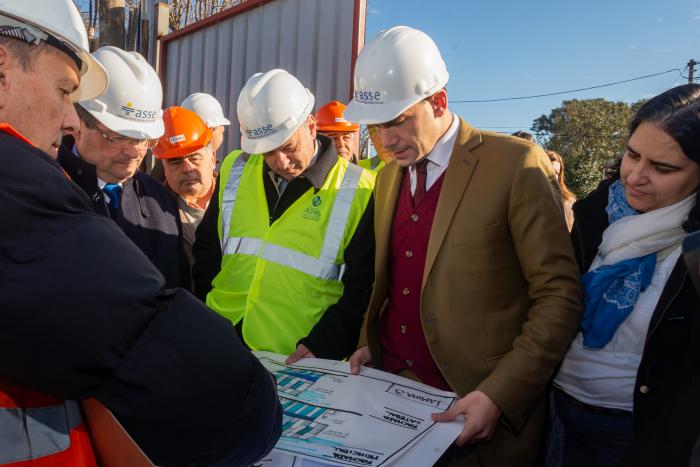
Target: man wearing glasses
<point x="103" y="155"/>
<point x="189" y="158"/>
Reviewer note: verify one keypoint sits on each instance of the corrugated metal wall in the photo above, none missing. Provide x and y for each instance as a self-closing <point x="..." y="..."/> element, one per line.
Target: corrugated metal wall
<point x="312" y="39"/>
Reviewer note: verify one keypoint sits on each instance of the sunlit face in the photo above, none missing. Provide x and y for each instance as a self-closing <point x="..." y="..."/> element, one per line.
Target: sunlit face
<point x="112" y="164"/>
<point x="217" y="137"/>
<point x="382" y="152"/>
<point x="413" y="134"/>
<point x="192" y="176"/>
<point x="556" y="165"/>
<point x="655" y="172"/>
<point x="294" y="156"/>
<point x="344" y="143"/>
<point x="37" y="101"/>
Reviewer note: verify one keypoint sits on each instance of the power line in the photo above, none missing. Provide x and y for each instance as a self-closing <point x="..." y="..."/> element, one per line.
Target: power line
<point x="563" y="92"/>
<point x="680" y="75"/>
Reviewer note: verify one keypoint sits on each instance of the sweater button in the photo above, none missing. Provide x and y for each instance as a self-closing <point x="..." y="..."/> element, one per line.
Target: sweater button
<point x="409" y="254"/>
<point x="409" y="363"/>
<point x="403" y="329"/>
<point x="405" y="291"/>
<point x="414" y="217"/>
<point x="96" y="196"/>
<point x="644" y="389"/>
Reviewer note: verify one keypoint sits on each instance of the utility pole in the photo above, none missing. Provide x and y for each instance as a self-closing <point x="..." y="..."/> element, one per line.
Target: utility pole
<point x="691" y="70"/>
<point x="112" y="26"/>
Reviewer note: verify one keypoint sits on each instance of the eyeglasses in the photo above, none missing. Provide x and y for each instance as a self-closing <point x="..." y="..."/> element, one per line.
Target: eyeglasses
<point x="122" y="142"/>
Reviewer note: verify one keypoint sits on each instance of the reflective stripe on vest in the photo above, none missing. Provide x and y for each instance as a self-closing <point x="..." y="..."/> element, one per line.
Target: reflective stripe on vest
<point x="36" y="432"/>
<point x="229" y="198"/>
<point x="324" y="266"/>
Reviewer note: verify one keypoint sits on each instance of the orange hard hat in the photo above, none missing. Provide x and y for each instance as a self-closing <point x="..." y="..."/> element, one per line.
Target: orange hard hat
<point x="185" y="133"/>
<point x="330" y="118"/>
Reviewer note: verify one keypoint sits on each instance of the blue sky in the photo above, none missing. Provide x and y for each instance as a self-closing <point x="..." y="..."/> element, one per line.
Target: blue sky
<point x="514" y="48"/>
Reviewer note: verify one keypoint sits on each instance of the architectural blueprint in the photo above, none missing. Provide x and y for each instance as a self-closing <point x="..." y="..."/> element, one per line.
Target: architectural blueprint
<point x="372" y="419"/>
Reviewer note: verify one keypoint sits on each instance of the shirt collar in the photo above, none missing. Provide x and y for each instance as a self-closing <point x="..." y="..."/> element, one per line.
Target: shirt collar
<point x="442" y="151"/>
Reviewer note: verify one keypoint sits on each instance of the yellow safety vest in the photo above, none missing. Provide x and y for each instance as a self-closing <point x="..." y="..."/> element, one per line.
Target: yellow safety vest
<point x="280" y="278"/>
<point x="374" y="164"/>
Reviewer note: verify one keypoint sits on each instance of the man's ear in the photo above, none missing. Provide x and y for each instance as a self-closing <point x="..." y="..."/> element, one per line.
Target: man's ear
<point x="7" y="62"/>
<point x="439" y="102"/>
<point x="311" y="123"/>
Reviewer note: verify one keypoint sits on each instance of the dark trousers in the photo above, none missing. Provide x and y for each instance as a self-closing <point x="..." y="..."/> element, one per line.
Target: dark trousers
<point x="592" y="436"/>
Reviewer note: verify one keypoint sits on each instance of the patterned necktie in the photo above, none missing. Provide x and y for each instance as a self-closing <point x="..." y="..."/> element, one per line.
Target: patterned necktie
<point x="421" y="176"/>
<point x="112" y="190"/>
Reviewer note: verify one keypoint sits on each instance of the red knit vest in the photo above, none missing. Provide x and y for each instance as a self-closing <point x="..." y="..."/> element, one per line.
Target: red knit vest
<point x="401" y="334"/>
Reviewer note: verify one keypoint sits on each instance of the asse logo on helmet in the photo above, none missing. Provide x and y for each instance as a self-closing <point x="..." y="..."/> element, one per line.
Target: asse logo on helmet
<point x="139" y="114"/>
<point x="368" y="97"/>
<point x="260" y="132"/>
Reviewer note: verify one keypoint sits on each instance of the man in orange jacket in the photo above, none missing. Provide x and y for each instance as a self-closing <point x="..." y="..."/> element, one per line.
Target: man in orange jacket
<point x="84" y="313"/>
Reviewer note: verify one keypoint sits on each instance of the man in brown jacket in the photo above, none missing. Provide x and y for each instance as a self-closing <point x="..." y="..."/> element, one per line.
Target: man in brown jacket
<point x="476" y="287"/>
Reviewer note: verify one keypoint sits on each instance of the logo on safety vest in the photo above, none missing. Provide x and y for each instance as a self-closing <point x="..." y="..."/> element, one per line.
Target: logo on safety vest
<point x="312" y="212"/>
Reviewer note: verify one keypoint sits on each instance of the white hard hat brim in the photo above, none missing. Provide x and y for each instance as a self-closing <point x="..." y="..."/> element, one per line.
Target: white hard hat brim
<point x="218" y="122"/>
<point x="94" y="82"/>
<point x="130" y="128"/>
<point x="376" y="114"/>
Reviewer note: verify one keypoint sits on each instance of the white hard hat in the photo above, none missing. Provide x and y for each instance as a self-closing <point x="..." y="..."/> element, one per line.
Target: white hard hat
<point x="57" y="22"/>
<point x="131" y="106"/>
<point x="207" y="107"/>
<point x="271" y="107"/>
<point x="399" y="67"/>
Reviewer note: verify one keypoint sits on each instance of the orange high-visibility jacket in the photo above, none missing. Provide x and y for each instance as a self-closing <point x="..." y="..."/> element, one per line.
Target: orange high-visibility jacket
<point x="37" y="430"/>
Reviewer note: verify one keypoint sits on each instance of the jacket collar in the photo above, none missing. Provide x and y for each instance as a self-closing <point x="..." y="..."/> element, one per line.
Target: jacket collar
<point x="460" y="169"/>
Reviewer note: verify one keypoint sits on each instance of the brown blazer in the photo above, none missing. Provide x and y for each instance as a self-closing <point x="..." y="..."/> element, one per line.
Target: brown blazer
<point x="501" y="296"/>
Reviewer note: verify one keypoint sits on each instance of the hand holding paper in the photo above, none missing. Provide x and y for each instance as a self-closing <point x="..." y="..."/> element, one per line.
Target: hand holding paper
<point x="480" y="417"/>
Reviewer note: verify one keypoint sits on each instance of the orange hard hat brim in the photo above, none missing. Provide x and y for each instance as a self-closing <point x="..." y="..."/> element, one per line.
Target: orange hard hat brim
<point x="176" y="153"/>
<point x="346" y="128"/>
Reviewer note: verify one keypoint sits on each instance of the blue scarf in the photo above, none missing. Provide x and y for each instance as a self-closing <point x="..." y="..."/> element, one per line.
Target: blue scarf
<point x="611" y="291"/>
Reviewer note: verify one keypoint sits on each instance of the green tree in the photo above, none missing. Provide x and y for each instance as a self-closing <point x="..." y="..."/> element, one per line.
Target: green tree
<point x="589" y="134"/>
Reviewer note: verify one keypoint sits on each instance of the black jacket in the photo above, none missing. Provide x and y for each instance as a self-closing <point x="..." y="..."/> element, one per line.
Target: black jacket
<point x="335" y="336"/>
<point x="667" y="390"/>
<point x="147" y="213"/>
<point x="172" y="371"/>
